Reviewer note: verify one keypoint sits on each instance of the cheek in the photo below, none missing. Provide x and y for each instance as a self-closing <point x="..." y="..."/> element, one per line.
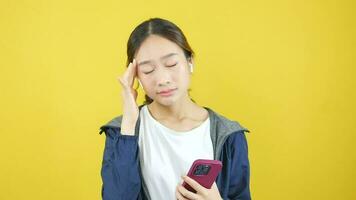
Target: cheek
<point x="180" y="75"/>
<point x="148" y="87"/>
<point x="183" y="78"/>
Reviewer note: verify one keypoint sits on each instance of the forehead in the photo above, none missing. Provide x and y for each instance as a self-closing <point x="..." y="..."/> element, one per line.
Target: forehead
<point x="154" y="47"/>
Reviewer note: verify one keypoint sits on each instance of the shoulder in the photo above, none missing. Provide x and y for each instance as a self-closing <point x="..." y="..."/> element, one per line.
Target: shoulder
<point x="224" y="124"/>
<point x="113" y="123"/>
<point x="236" y="146"/>
<point x="237" y="139"/>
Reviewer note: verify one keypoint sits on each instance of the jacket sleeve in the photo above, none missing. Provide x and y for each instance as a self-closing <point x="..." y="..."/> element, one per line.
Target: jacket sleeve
<point x="120" y="167"/>
<point x="239" y="186"/>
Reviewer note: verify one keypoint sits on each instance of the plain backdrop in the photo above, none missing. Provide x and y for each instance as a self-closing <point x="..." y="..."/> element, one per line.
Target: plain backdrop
<point x="284" y="69"/>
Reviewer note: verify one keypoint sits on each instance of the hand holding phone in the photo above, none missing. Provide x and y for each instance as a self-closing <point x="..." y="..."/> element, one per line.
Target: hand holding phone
<point x="204" y="172"/>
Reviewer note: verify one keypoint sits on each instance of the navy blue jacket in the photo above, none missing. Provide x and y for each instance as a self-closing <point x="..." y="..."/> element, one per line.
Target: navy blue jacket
<point x="121" y="172"/>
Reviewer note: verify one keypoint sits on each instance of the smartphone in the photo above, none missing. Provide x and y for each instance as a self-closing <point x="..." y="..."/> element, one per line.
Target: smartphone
<point x="204" y="172"/>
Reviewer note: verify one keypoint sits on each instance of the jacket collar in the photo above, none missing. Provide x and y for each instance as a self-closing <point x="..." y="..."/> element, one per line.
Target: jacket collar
<point x="220" y="128"/>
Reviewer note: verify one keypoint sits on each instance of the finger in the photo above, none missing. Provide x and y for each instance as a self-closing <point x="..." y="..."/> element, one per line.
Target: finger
<point x="135" y="72"/>
<point x="186" y="193"/>
<point x="132" y="73"/>
<point x="123" y="83"/>
<point x="123" y="79"/>
<point x="127" y="91"/>
<point x="195" y="185"/>
<point x="179" y="195"/>
<point x="134" y="92"/>
<point x="128" y="74"/>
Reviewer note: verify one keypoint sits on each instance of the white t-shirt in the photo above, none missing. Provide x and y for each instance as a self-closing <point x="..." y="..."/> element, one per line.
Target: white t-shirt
<point x="166" y="154"/>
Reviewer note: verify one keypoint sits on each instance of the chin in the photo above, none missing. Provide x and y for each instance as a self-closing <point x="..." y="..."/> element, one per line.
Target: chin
<point x="166" y="101"/>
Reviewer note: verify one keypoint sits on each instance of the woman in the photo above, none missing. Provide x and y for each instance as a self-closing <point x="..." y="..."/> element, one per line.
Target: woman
<point x="149" y="147"/>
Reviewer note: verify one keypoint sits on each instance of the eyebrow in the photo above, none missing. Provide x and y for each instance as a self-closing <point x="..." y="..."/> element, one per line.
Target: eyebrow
<point x="163" y="57"/>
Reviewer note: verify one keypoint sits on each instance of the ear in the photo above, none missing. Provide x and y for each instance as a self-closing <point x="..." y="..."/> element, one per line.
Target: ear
<point x="191" y="60"/>
<point x="190" y="63"/>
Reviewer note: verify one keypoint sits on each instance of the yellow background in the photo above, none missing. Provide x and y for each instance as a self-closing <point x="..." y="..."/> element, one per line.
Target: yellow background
<point x="283" y="69"/>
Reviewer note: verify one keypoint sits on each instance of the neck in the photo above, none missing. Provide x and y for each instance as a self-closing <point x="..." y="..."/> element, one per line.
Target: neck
<point x="176" y="112"/>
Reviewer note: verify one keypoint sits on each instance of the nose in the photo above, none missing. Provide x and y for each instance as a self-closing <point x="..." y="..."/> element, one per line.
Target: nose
<point x="164" y="84"/>
<point x="163" y="78"/>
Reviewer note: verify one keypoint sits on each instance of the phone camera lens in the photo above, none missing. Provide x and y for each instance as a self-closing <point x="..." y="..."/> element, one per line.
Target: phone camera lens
<point x="202" y="170"/>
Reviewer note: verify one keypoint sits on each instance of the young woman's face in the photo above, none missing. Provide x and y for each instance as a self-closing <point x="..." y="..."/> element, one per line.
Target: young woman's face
<point x="162" y="66"/>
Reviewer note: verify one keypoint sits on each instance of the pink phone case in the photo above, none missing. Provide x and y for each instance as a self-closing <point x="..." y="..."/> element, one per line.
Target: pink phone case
<point x="204" y="172"/>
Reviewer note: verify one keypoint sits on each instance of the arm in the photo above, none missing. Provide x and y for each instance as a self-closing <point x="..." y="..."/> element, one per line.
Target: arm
<point x="239" y="187"/>
<point x="120" y="167"/>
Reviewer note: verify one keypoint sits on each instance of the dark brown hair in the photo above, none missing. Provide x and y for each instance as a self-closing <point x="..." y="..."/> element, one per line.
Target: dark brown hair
<point x="160" y="27"/>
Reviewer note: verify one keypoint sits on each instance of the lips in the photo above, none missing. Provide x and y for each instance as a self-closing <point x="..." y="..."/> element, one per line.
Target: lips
<point x="166" y="91"/>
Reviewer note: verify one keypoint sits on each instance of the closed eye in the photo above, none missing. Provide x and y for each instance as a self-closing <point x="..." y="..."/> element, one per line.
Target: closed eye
<point x="148" y="72"/>
<point x="167" y="66"/>
<point x="172" y="65"/>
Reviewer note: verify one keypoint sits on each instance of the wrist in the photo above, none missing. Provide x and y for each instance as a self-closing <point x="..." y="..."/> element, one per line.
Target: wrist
<point x="128" y="128"/>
